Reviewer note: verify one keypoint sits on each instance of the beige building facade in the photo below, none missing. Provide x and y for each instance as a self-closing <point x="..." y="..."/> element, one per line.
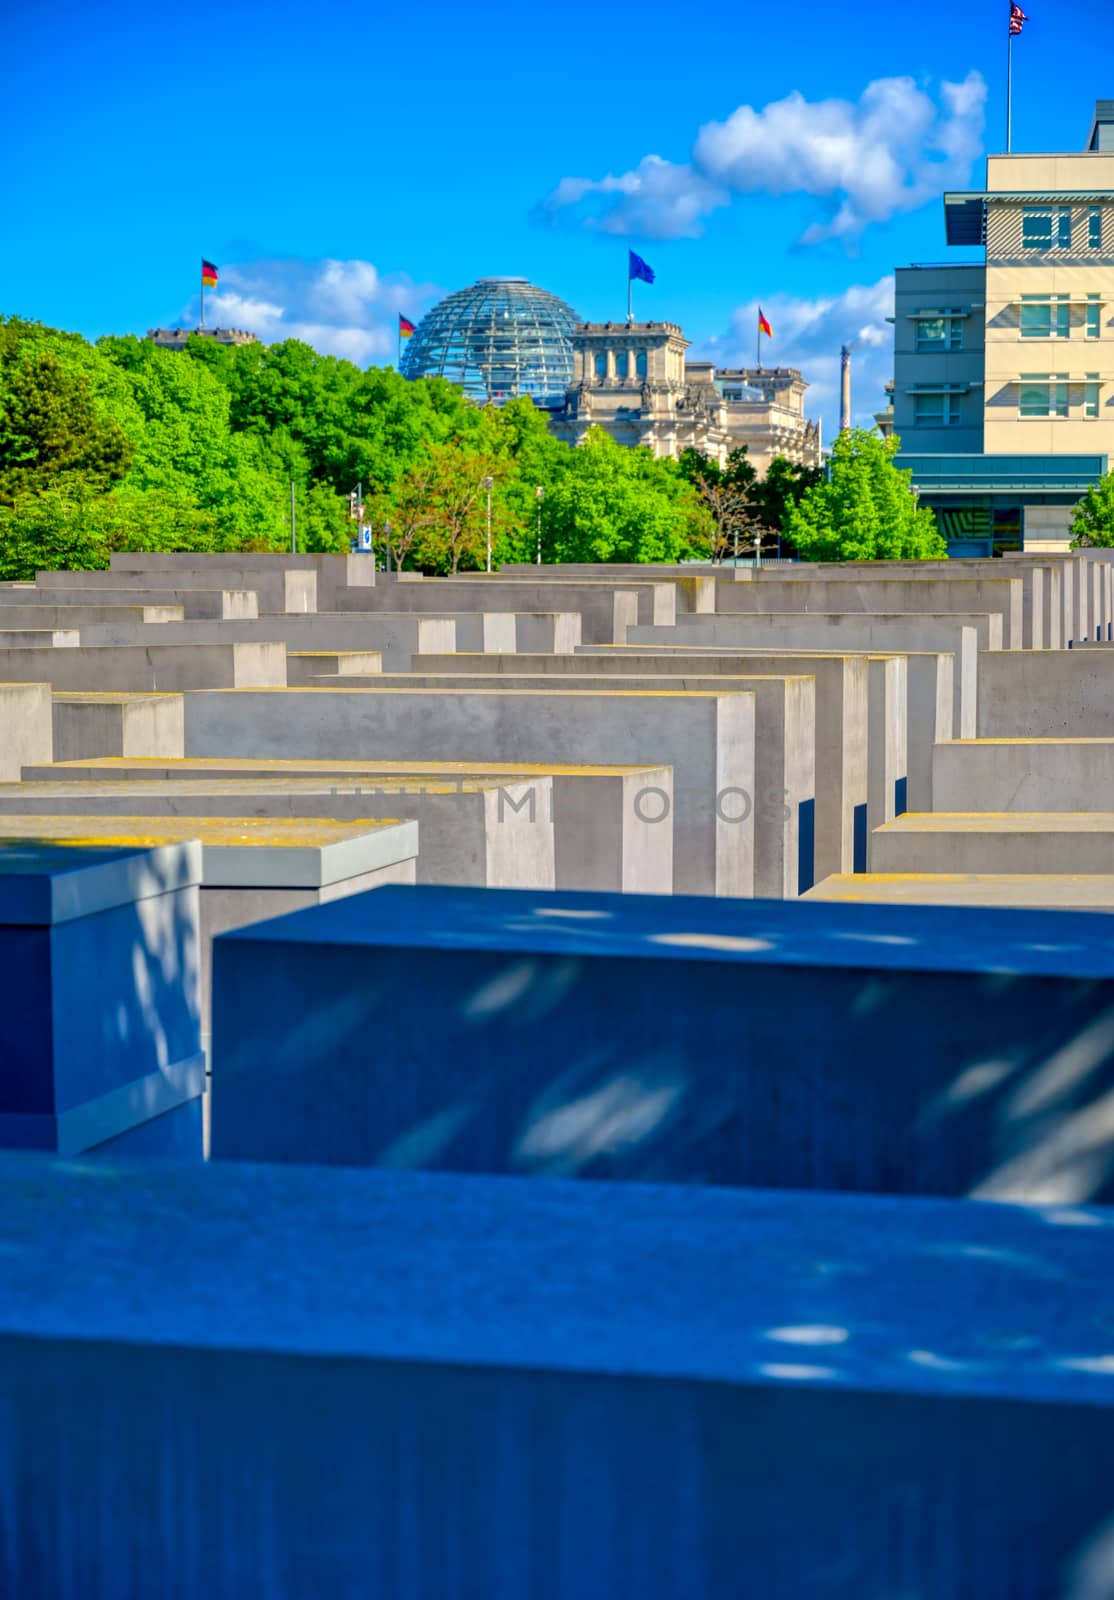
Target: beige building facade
<point x="177" y="338"/>
<point x="634" y="381"/>
<point x="1049" y="374"/>
<point x="1004" y="368"/>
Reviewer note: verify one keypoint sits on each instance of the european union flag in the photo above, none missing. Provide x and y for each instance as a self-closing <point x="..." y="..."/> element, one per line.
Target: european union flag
<point x="639" y="268"/>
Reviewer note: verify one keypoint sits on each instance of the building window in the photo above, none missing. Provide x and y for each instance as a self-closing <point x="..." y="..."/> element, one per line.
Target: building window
<point x="1044" y="317"/>
<point x="939" y="333"/>
<point x="1091" y="395"/>
<point x="1094" y="227"/>
<point x="622" y="363"/>
<point x="601" y="364"/>
<point x="1042" y="227"/>
<point x="1043" y="395"/>
<point x="940" y="410"/>
<point x="640" y="364"/>
<point x="1094" y="316"/>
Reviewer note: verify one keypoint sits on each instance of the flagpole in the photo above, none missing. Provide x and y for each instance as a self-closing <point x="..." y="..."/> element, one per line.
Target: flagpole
<point x="630" y="296"/>
<point x="203" y="297"/>
<point x="1009" y="83"/>
<point x="758" y="341"/>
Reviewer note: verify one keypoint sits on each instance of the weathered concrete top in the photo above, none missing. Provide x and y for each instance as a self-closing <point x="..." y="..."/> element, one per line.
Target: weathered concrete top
<point x="34" y="793"/>
<point x="113" y="697"/>
<point x="702" y="928"/>
<point x="319" y="767"/>
<point x="240" y="852"/>
<point x="837" y="1291"/>
<point x="1002" y="822"/>
<point x="44" y="882"/>
<point x="1076" y="891"/>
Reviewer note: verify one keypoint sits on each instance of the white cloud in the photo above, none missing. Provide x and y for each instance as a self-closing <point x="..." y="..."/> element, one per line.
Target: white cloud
<point x="342" y="308"/>
<point x="866" y="160"/>
<point x="808" y="334"/>
<point x="658" y="200"/>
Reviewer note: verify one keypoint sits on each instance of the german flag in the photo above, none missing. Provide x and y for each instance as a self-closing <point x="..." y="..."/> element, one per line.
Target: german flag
<point x="209" y="274"/>
<point x="763" y="325"/>
<point x="406" y="329"/>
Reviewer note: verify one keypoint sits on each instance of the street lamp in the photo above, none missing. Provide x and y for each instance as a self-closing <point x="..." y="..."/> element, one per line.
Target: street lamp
<point x="387" y="542"/>
<point x="539" y="496"/>
<point x="488" y="484"/>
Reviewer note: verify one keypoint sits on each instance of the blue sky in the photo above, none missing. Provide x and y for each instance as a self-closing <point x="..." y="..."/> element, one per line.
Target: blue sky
<point x="342" y="162"/>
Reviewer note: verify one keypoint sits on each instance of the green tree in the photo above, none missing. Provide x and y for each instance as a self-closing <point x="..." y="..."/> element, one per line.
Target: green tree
<point x="866" y="509"/>
<point x="616" y="504"/>
<point x="47" y="530"/>
<point x="1093" y="522"/>
<point x="726" y="493"/>
<point x="778" y="494"/>
<point x="50" y="431"/>
<point x="454" y="532"/>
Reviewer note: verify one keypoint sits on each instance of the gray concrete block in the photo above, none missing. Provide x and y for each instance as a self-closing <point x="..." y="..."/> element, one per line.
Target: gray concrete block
<point x="397" y="637"/>
<point x="962" y="634"/>
<point x="784" y="795"/>
<point x="657" y="601"/>
<point x="332" y="571"/>
<point x="841" y="724"/>
<point x="26" y="729"/>
<point x="39" y="638"/>
<point x="252" y="868"/>
<point x="695" y="589"/>
<point x="484" y="833"/>
<point x="606" y="611"/>
<point x="76" y="617"/>
<point x="1041" y="595"/>
<point x="155" y="667"/>
<point x="129" y="725"/>
<point x="303" y="666"/>
<point x="887" y="741"/>
<point x="212" y="604"/>
<point x="279" y="591"/>
<point x="660" y="1410"/>
<point x="1047" y="694"/>
<point x="996" y="842"/>
<point x="1027" y="891"/>
<point x="708" y="739"/>
<point x="1024" y="775"/>
<point x="613" y="825"/>
<point x="930" y="595"/>
<point x="1002" y="1089"/>
<point x="547" y="632"/>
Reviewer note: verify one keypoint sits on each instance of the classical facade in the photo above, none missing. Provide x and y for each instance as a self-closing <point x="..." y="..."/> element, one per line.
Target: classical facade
<point x="1004" y="369"/>
<point x="175" y="338"/>
<point x="766" y="412"/>
<point x="633" y="380"/>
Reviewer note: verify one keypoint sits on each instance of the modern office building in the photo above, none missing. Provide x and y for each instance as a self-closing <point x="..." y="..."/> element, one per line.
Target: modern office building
<point x="1004" y="368"/>
<point x="634" y="381"/>
<point x="500" y="338"/>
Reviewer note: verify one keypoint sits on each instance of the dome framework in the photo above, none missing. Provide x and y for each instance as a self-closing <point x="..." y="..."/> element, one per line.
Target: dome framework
<point x="499" y="338"/>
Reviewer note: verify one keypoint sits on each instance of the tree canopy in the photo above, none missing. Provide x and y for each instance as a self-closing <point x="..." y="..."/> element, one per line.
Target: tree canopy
<point x="123" y="445"/>
<point x="865" y="510"/>
<point x="1093" y="522"/>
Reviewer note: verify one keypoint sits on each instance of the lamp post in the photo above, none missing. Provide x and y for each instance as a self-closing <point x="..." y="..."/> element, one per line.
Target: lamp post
<point x="539" y="496"/>
<point x="488" y="484"/>
<point x="387" y="542"/>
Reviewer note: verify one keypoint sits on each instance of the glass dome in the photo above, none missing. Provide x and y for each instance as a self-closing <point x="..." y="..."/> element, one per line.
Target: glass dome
<point x="500" y="338"/>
